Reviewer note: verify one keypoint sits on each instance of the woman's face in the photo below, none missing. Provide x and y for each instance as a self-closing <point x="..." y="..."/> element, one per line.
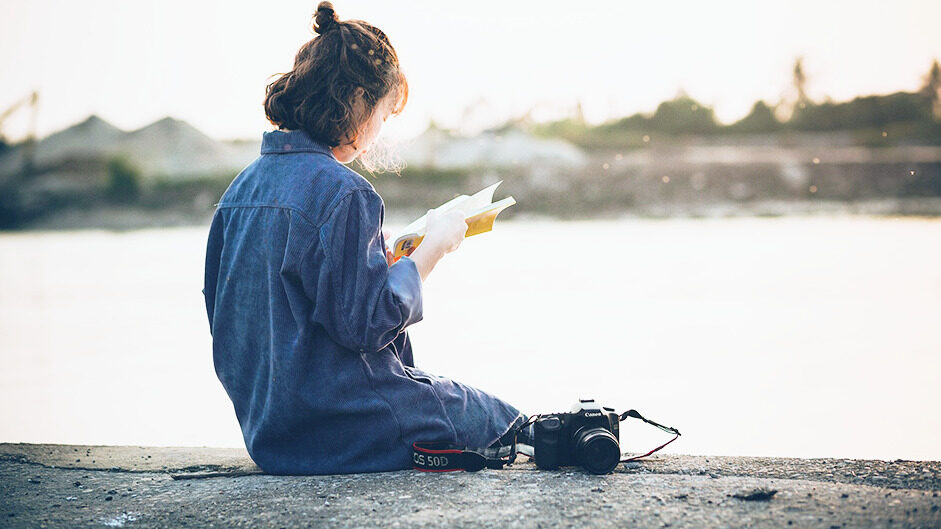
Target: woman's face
<point x="369" y="132"/>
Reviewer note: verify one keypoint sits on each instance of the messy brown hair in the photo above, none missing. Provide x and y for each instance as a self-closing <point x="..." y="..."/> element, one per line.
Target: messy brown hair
<point x="338" y="79"/>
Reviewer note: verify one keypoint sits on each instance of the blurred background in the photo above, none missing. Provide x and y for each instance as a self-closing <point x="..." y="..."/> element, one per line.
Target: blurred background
<point x="728" y="215"/>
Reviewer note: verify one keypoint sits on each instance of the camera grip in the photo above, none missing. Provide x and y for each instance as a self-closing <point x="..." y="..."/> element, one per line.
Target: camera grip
<point x="546" y="442"/>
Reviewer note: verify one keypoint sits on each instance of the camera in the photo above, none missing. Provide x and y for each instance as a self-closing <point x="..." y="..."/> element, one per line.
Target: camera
<point x="586" y="436"/>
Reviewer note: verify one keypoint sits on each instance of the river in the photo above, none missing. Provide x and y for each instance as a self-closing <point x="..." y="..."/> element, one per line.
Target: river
<point x="805" y="337"/>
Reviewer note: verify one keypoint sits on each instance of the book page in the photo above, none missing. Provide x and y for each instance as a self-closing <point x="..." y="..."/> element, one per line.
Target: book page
<point x="418" y="225"/>
<point x="482" y="220"/>
<point x="479" y="211"/>
<point x="465" y="204"/>
<point x="478" y="200"/>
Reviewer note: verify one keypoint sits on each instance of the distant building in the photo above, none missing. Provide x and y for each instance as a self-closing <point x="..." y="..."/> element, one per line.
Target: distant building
<point x="508" y="147"/>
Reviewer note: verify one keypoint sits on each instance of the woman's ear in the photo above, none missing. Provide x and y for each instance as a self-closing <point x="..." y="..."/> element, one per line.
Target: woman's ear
<point x="359" y="110"/>
<point x="358" y="102"/>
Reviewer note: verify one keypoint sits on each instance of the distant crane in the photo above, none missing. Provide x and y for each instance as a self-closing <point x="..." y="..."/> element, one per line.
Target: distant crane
<point x="29" y="144"/>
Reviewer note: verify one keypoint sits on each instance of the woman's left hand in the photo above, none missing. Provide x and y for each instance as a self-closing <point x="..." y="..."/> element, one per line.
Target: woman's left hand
<point x="389" y="258"/>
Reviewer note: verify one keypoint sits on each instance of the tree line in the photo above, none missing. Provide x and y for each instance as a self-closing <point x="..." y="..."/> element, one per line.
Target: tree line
<point x="912" y="114"/>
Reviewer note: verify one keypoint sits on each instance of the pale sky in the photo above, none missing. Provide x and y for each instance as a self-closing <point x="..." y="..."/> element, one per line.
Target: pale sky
<point x="207" y="62"/>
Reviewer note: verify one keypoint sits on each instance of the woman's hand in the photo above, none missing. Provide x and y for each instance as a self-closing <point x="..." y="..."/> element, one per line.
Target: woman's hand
<point x="445" y="230"/>
<point x="389" y="258"/>
<point x="444" y="233"/>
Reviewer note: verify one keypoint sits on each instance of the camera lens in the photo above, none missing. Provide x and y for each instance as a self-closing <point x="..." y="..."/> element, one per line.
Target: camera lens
<point x="597" y="450"/>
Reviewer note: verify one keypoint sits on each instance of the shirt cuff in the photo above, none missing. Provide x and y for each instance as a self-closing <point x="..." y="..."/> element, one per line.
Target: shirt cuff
<point x="406" y="286"/>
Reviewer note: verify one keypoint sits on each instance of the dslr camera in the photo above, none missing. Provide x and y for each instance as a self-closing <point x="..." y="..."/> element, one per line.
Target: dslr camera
<point x="586" y="436"/>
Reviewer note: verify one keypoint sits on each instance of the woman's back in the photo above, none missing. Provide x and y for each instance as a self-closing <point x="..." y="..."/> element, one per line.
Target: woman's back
<point x="308" y="323"/>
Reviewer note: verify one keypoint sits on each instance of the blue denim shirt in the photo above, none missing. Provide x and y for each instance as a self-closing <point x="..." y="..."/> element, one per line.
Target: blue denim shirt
<point x="308" y="323"/>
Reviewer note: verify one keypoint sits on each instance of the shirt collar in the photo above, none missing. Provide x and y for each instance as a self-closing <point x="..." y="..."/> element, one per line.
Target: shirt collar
<point x="286" y="141"/>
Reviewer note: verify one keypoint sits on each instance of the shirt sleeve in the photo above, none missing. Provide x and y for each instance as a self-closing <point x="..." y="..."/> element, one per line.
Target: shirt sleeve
<point x="362" y="302"/>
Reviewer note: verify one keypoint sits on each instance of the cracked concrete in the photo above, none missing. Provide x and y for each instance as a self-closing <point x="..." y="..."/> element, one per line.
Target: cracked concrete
<point x="108" y="486"/>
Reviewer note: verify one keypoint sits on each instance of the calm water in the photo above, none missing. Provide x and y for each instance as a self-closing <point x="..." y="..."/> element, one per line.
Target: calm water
<point x="784" y="337"/>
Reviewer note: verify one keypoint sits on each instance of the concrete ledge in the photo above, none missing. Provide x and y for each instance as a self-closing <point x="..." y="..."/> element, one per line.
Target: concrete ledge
<point x="96" y="486"/>
<point x="178" y="460"/>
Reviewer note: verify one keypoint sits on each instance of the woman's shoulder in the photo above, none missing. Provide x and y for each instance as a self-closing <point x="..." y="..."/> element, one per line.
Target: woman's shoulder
<point x="337" y="186"/>
<point x="294" y="172"/>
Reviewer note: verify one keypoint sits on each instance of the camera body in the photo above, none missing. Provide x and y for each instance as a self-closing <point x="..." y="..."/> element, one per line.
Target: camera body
<point x="586" y="436"/>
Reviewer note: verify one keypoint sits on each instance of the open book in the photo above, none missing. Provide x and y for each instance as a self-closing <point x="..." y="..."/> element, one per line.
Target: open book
<point x="479" y="211"/>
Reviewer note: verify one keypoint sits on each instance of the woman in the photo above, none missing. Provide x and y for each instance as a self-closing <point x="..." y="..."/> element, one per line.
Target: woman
<point x="307" y="313"/>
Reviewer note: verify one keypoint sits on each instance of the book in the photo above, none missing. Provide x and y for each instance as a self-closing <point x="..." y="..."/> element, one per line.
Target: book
<point x="479" y="212"/>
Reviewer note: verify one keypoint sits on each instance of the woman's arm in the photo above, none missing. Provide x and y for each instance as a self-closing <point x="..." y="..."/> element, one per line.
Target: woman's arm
<point x="361" y="301"/>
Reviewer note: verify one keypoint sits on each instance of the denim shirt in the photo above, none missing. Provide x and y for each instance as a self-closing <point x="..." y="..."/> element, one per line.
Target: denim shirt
<point x="308" y="323"/>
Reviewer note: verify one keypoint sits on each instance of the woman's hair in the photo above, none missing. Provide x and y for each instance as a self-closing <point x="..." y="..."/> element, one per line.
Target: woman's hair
<point x="349" y="60"/>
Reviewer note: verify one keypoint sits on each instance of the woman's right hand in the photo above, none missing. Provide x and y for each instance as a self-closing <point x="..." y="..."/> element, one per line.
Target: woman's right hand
<point x="444" y="231"/>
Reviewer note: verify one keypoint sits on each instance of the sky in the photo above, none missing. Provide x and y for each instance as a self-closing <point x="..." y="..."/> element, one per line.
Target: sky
<point x="469" y="64"/>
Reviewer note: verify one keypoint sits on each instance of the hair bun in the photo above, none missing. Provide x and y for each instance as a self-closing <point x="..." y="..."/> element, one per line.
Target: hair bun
<point x="325" y="18"/>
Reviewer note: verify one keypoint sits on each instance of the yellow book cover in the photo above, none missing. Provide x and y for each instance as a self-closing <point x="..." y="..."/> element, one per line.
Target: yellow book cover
<point x="480" y="211"/>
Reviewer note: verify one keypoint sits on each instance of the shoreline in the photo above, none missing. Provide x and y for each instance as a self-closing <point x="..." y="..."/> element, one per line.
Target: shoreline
<point x="122" y="219"/>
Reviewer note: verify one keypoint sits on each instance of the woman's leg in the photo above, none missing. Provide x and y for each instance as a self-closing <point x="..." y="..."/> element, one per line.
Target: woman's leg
<point x="516" y="434"/>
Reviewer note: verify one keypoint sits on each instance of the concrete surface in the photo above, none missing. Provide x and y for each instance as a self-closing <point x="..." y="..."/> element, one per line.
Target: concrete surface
<point x="108" y="486"/>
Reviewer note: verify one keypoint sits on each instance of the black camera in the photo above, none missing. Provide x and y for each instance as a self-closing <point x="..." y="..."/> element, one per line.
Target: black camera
<point x="587" y="436"/>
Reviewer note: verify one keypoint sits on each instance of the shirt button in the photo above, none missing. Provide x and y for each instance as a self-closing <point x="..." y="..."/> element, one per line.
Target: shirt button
<point x="288" y="146"/>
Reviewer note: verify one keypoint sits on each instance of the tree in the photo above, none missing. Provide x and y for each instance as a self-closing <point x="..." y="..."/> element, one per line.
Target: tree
<point x="760" y="119"/>
<point x="683" y="115"/>
<point x="932" y="88"/>
<point x="863" y="112"/>
<point x="800" y="83"/>
<point x="795" y="98"/>
<point x="123" y="180"/>
<point x="633" y="122"/>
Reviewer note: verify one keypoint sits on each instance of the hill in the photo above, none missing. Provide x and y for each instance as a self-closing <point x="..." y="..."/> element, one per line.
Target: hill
<point x="168" y="148"/>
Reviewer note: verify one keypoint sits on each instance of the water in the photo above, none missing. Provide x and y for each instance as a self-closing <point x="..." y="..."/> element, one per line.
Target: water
<point x="805" y="337"/>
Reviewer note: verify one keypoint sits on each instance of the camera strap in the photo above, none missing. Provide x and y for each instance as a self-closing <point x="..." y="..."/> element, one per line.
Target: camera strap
<point x="445" y="457"/>
<point x="636" y="415"/>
